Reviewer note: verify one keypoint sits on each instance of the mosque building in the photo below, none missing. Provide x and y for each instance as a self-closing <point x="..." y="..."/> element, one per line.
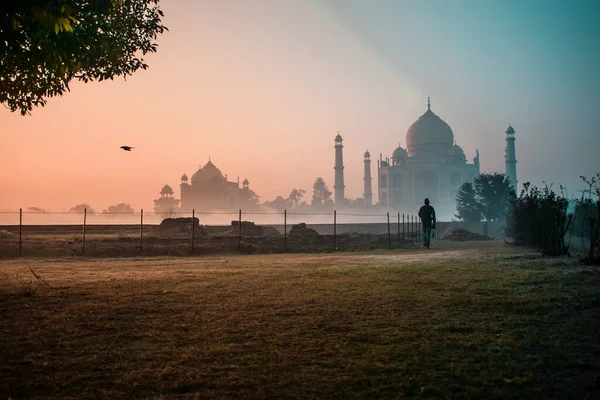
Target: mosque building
<point x="207" y="190"/>
<point x="431" y="166"/>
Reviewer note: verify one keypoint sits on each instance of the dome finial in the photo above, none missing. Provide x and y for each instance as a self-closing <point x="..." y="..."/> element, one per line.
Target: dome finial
<point x="428" y="103"/>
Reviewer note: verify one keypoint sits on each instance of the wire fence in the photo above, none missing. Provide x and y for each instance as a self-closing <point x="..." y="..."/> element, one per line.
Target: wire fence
<point x="139" y="233"/>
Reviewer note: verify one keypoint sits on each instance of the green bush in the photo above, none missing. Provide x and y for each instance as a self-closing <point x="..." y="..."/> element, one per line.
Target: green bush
<point x="587" y="212"/>
<point x="539" y="218"/>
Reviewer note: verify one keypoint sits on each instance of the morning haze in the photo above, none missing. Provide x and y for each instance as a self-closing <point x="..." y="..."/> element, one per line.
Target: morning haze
<point x="300" y="199"/>
<point x="262" y="88"/>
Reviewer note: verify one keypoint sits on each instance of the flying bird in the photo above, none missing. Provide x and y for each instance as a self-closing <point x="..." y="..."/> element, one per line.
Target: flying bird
<point x="127" y="148"/>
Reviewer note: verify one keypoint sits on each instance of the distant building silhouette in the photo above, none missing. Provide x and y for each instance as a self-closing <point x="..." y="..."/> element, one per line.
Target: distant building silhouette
<point x="207" y="190"/>
<point x="432" y="165"/>
<point x="166" y="203"/>
<point x="338" y="188"/>
<point x="510" y="157"/>
<point x="368" y="192"/>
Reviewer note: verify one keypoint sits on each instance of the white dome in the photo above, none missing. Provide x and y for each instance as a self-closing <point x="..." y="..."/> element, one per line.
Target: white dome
<point x="456" y="150"/>
<point x="429" y="136"/>
<point x="457" y="155"/>
<point x="399" y="153"/>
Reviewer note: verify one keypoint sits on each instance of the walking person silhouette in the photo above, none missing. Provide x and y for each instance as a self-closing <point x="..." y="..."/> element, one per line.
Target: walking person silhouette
<point x="427" y="215"/>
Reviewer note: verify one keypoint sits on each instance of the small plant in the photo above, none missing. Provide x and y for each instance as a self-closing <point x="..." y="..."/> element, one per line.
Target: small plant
<point x="27" y="288"/>
<point x="168" y="213"/>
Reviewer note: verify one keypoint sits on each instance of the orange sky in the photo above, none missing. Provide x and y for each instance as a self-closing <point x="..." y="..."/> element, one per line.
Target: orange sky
<point x="260" y="87"/>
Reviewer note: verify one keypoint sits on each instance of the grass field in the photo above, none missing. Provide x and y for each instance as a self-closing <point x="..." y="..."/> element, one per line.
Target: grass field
<point x="473" y="322"/>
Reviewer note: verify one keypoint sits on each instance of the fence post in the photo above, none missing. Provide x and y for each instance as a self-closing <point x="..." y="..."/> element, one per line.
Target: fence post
<point x="398" y="228"/>
<point x="403" y="227"/>
<point x="20" y="231"/>
<point x="416" y="228"/>
<point x="141" y="228"/>
<point x="284" y="230"/>
<point x="193" y="227"/>
<point x="389" y="235"/>
<point x="334" y="230"/>
<point x="240" y="230"/>
<point x="84" y="223"/>
<point x="412" y="227"/>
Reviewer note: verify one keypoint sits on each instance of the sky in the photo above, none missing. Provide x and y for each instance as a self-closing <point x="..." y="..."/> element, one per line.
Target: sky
<point x="262" y="87"/>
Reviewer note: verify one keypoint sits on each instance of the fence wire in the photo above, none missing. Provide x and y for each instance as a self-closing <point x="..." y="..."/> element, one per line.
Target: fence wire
<point x="141" y="233"/>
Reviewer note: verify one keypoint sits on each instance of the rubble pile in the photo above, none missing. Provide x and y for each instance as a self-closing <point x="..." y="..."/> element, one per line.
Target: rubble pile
<point x="302" y="230"/>
<point x="181" y="226"/>
<point x="461" y="235"/>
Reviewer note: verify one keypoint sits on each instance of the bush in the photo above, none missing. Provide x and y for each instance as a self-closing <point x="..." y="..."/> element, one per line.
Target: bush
<point x="539" y="218"/>
<point x="587" y="211"/>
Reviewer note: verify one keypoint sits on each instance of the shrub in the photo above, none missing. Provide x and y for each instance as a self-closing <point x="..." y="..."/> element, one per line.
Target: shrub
<point x="539" y="218"/>
<point x="587" y="211"/>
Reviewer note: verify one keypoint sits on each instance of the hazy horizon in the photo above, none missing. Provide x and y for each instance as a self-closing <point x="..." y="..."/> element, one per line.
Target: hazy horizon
<point x="262" y="88"/>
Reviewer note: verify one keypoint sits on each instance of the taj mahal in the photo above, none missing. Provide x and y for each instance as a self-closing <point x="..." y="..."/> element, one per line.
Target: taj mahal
<point x="432" y="165"/>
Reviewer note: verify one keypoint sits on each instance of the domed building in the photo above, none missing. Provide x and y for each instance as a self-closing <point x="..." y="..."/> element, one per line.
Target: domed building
<point x="207" y="190"/>
<point x="166" y="203"/>
<point x="432" y="165"/>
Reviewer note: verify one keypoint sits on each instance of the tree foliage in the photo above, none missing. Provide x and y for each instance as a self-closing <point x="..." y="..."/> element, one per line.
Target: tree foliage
<point x="588" y="211"/>
<point x="45" y="44"/>
<point x="36" y="210"/>
<point x="492" y="192"/>
<point x="295" y="197"/>
<point x="121" y="208"/>
<point x="80" y="208"/>
<point x="279" y="204"/>
<point x="539" y="218"/>
<point x="467" y="207"/>
<point x="488" y="197"/>
<point x="321" y="194"/>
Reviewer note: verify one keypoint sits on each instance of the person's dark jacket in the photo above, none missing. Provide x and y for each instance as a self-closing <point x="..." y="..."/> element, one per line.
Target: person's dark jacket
<point x="427" y="215"/>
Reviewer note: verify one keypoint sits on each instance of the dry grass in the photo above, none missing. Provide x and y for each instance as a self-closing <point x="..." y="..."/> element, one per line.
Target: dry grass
<point x="450" y="324"/>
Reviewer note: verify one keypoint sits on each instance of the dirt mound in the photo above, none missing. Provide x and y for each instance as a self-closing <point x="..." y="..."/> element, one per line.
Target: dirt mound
<point x="249" y="228"/>
<point x="6" y="234"/>
<point x="302" y="230"/>
<point x="181" y="226"/>
<point x="461" y="235"/>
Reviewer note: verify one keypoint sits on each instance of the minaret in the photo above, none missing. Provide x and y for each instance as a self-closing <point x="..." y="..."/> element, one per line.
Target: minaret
<point x="339" y="172"/>
<point x="368" y="194"/>
<point x="511" y="157"/>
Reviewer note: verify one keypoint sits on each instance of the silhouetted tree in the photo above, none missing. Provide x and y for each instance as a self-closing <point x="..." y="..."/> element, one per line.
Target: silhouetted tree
<point x="168" y="213"/>
<point x="539" y="218"/>
<point x="321" y="194"/>
<point x="121" y="208"/>
<point x="467" y="207"/>
<point x="79" y="208"/>
<point x="45" y="44"/>
<point x="492" y="192"/>
<point x="295" y="197"/>
<point x="354" y="203"/>
<point x="589" y="210"/>
<point x="279" y="204"/>
<point x="36" y="210"/>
